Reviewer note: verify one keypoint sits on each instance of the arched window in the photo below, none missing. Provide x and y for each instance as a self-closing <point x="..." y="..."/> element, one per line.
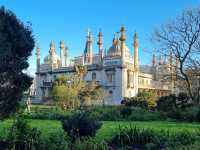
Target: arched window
<point x="94" y="76"/>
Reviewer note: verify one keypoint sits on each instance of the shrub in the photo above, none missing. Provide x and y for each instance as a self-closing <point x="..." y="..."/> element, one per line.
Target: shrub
<point x="56" y="141"/>
<point x="183" y="100"/>
<point x="89" y="144"/>
<point x="125" y="112"/>
<point x="136" y="102"/>
<point x="22" y="136"/>
<point x="167" y="103"/>
<point x="53" y="115"/>
<point x="137" y="138"/>
<point x="108" y="113"/>
<point x="139" y="114"/>
<point x="81" y="124"/>
<point x="4" y="144"/>
<point x="145" y="100"/>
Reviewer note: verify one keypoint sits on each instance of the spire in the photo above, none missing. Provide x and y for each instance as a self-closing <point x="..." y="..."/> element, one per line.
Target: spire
<point x="66" y="55"/>
<point x="52" y="47"/>
<point x="136" y="45"/>
<point x="154" y="60"/>
<point x="160" y="60"/>
<point x="100" y="45"/>
<point x="170" y="59"/>
<point x="88" y="48"/>
<point x="38" y="58"/>
<point x="123" y="39"/>
<point x="62" y="53"/>
<point x="123" y="34"/>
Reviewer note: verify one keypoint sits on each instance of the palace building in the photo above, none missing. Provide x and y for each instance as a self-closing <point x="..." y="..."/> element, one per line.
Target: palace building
<point x="116" y="70"/>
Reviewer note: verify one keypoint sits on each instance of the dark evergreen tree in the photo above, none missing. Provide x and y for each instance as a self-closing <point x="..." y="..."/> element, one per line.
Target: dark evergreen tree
<point x="16" y="44"/>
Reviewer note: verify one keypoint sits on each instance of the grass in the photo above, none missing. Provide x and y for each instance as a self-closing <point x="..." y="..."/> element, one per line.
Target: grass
<point x="107" y="130"/>
<point x="45" y="126"/>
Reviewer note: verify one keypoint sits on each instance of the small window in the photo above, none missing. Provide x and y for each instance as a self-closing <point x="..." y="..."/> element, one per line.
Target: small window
<point x="110" y="92"/>
<point x="94" y="76"/>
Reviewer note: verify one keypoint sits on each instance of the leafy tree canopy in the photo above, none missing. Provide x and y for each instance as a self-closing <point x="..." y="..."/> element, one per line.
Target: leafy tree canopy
<point x="16" y="44"/>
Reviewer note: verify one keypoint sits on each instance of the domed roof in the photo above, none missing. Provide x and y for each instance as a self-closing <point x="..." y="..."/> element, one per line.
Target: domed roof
<point x="115" y="49"/>
<point x="55" y="59"/>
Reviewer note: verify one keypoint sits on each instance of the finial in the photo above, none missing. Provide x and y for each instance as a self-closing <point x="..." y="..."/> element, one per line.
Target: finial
<point x="37" y="50"/>
<point x="122" y="28"/>
<point x="135" y="37"/>
<point x="123" y="34"/>
<point x="62" y="45"/>
<point x="100" y="32"/>
<point x="51" y="44"/>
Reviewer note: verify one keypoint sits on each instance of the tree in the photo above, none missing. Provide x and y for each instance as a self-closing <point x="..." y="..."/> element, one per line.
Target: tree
<point x="16" y="44"/>
<point x="70" y="92"/>
<point x="65" y="91"/>
<point x="181" y="37"/>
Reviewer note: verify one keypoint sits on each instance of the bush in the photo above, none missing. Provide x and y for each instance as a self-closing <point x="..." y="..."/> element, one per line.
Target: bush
<point x="52" y="115"/>
<point x="136" y="102"/>
<point x="125" y="112"/>
<point x="139" y="114"/>
<point x="167" y="103"/>
<point x="145" y="100"/>
<point x="89" y="144"/>
<point x="137" y="138"/>
<point x="56" y="141"/>
<point x="22" y="136"/>
<point x="81" y="124"/>
<point x="108" y="113"/>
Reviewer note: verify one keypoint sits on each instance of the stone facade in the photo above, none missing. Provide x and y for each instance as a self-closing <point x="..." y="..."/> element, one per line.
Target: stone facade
<point x="115" y="70"/>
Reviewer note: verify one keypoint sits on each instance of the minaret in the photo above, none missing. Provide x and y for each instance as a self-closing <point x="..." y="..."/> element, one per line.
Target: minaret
<point x="88" y="49"/>
<point x="51" y="53"/>
<point x="160" y="60"/>
<point x="66" y="56"/>
<point x="62" y="53"/>
<point x="136" y="45"/>
<point x="38" y="58"/>
<point x="123" y="44"/>
<point x="38" y="82"/>
<point x="154" y="60"/>
<point x="136" y="62"/>
<point x="100" y="45"/>
<point x="153" y="67"/>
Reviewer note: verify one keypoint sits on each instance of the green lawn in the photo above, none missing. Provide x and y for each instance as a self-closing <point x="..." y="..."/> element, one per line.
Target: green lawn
<point x="108" y="129"/>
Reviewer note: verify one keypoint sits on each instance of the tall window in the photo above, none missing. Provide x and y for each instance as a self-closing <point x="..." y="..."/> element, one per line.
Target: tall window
<point x="94" y="76"/>
<point x="128" y="79"/>
<point x="110" y="78"/>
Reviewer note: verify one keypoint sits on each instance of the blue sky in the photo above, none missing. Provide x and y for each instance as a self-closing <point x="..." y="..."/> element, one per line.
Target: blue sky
<point x="69" y="20"/>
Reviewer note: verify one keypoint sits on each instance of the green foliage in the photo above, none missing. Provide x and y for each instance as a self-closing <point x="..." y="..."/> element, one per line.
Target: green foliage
<point x="56" y="141"/>
<point x="183" y="100"/>
<point x="89" y="144"/>
<point x="107" y="113"/>
<point x="167" y="103"/>
<point x="16" y="44"/>
<point x="145" y="100"/>
<point x="81" y="124"/>
<point x="65" y="92"/>
<point x="22" y="136"/>
<point x="125" y="112"/>
<point x="137" y="138"/>
<point x="72" y="92"/>
<point x="139" y="114"/>
<point x="47" y="115"/>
